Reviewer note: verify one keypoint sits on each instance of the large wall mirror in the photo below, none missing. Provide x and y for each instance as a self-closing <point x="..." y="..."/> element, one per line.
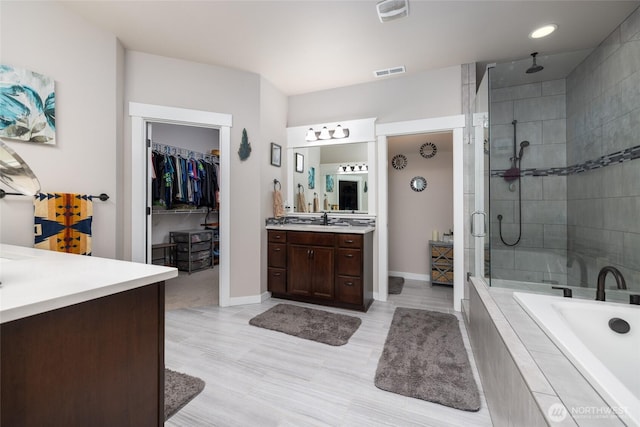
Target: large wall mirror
<point x="335" y="178"/>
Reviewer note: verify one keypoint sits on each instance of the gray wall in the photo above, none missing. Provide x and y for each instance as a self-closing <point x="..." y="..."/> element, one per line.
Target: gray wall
<point x="539" y="109"/>
<point x="603" y="117"/>
<point x="86" y="64"/>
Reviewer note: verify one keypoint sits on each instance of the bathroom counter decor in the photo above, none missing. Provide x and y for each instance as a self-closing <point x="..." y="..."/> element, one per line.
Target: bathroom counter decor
<point x="82" y="339"/>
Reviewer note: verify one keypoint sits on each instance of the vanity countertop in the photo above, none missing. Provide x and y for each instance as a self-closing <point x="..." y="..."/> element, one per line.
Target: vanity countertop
<point x="35" y="281"/>
<point x="322" y="228"/>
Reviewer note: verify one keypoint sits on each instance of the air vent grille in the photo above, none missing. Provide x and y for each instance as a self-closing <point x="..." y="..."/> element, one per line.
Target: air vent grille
<point x="388" y="10"/>
<point x="389" y="71"/>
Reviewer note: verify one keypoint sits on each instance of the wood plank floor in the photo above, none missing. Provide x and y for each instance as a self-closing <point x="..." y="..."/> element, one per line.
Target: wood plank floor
<point x="257" y="377"/>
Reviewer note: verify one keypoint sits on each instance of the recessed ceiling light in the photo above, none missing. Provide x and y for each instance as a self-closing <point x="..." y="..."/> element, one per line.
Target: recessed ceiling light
<point x="543" y="31"/>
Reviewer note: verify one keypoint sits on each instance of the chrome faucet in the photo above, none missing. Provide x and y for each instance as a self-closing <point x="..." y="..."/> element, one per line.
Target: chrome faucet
<point x="620" y="282"/>
<point x="325" y="219"/>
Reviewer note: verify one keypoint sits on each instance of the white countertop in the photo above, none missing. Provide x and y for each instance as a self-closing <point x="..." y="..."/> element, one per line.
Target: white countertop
<point x="322" y="228"/>
<point x="35" y="281"/>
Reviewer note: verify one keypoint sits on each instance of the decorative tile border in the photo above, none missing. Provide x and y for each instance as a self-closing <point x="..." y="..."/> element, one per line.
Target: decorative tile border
<point x="333" y="220"/>
<point x="601" y="162"/>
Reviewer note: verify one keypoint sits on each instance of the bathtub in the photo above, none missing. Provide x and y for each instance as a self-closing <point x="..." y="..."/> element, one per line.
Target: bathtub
<point x="610" y="361"/>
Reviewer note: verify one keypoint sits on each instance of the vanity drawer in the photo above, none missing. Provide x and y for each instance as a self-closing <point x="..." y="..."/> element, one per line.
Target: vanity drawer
<point x="350" y="241"/>
<point x="349" y="289"/>
<point x="277" y="256"/>
<point x="277" y="280"/>
<point x="277" y="236"/>
<point x="310" y="238"/>
<point x="349" y="262"/>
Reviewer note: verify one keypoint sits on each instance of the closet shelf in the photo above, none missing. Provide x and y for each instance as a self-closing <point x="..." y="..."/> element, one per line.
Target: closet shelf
<point x="180" y="211"/>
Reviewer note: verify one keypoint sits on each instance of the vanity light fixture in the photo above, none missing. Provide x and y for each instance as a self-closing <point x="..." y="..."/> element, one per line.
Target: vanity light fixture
<point x="543" y="31"/>
<point x="338" y="133"/>
<point x="355" y="168"/>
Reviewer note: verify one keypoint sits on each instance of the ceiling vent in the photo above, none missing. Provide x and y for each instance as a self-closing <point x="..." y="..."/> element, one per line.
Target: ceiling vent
<point x="388" y="10"/>
<point x="389" y="71"/>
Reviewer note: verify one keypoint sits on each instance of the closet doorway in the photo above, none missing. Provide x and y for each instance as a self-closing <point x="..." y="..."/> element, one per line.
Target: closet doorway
<point x="184" y="200"/>
<point x="140" y="235"/>
<point x="420" y="210"/>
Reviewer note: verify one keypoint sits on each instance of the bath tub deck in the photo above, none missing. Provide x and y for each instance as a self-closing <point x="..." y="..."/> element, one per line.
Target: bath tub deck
<point x="526" y="378"/>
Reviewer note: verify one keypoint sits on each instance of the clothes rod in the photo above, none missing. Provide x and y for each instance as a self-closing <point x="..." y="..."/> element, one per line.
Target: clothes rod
<point x="104" y="197"/>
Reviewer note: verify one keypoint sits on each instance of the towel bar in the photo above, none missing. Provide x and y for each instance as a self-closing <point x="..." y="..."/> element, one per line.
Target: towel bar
<point x="103" y="196"/>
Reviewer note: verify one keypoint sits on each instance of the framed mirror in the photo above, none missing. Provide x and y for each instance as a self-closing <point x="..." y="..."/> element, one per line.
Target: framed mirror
<point x="333" y="167"/>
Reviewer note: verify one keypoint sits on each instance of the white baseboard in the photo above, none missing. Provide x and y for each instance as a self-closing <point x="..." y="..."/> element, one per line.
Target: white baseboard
<point x="251" y="299"/>
<point x="412" y="276"/>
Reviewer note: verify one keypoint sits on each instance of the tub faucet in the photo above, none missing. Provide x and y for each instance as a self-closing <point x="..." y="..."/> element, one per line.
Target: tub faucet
<point x="620" y="282"/>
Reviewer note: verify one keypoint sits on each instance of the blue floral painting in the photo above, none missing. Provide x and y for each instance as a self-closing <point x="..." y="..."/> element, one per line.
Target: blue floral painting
<point x="27" y="106"/>
<point x="312" y="178"/>
<point x="329" y="183"/>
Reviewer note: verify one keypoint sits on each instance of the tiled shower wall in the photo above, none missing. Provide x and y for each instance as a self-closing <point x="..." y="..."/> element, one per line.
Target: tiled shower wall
<point x="540" y="111"/>
<point x="603" y="117"/>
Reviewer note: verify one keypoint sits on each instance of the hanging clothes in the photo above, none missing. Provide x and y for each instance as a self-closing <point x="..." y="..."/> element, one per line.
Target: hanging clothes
<point x="180" y="180"/>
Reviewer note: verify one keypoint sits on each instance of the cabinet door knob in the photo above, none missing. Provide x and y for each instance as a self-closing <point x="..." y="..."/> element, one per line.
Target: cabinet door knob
<point x="349" y="255"/>
<point x="349" y="241"/>
<point x="348" y="283"/>
<point x="276" y="237"/>
<point x="277" y="274"/>
<point x="277" y="249"/>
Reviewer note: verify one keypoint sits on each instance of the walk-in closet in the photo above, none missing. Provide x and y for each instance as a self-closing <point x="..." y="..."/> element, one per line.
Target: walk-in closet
<point x="184" y="167"/>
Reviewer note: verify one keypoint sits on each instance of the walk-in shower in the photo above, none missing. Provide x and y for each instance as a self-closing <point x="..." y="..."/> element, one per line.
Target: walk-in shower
<point x="562" y="168"/>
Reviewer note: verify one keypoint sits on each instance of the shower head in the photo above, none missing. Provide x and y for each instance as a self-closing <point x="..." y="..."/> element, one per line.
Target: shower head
<point x="534" y="67"/>
<point x="523" y="145"/>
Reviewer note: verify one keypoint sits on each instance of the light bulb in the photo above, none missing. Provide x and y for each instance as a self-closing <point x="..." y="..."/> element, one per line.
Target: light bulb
<point x="311" y="135"/>
<point x="339" y="132"/>
<point x="324" y="133"/>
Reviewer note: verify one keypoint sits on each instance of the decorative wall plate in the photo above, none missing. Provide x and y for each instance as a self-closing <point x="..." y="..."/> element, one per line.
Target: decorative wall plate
<point x="399" y="161"/>
<point x="418" y="183"/>
<point x="428" y="150"/>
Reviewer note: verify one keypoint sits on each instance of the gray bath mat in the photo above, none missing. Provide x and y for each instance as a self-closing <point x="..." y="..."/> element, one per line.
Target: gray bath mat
<point x="424" y="357"/>
<point x="308" y="323"/>
<point x="395" y="285"/>
<point x="179" y="389"/>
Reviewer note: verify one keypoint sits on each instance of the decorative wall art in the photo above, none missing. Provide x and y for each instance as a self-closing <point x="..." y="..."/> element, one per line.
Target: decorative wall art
<point x="428" y="150"/>
<point x="418" y="184"/>
<point x="245" y="148"/>
<point x="312" y="178"/>
<point x="27" y="106"/>
<point x="299" y="163"/>
<point x="276" y="154"/>
<point x="328" y="183"/>
<point x="399" y="161"/>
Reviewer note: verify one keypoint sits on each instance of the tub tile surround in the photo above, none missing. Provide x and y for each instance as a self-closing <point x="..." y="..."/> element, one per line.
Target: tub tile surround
<point x="549" y="376"/>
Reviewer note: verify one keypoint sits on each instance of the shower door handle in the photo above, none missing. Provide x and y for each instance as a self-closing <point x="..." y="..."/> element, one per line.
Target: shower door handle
<point x="484" y="218"/>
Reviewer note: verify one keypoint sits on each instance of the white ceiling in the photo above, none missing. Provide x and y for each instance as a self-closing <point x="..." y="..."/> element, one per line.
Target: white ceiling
<point x="303" y="46"/>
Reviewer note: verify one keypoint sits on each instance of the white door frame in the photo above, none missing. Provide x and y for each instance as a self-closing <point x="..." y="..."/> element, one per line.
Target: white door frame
<point x="141" y="114"/>
<point x="455" y="124"/>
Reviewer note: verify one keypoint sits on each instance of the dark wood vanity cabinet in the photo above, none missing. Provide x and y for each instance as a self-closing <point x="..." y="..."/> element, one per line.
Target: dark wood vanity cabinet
<point x="277" y="261"/>
<point x="322" y="267"/>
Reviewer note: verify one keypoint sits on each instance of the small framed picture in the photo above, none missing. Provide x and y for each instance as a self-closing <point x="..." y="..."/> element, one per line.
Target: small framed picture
<point x="299" y="163"/>
<point x="276" y="154"/>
